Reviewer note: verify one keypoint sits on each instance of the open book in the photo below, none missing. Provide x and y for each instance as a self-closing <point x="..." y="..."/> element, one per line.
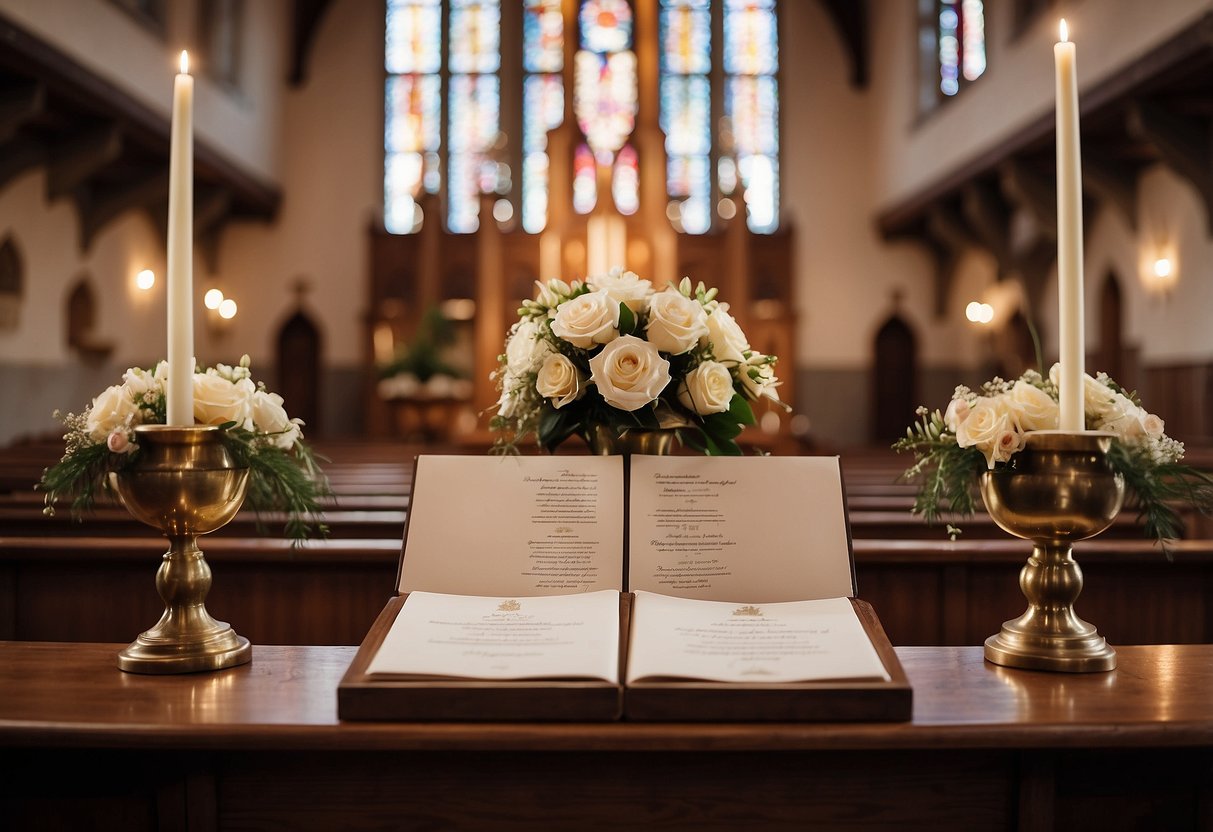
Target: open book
<point x="581" y="572"/>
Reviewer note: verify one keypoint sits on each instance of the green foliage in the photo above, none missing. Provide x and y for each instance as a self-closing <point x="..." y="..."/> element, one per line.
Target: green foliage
<point x="285" y="481"/>
<point x="947" y="473"/>
<point x="423" y="357"/>
<point x="1156" y="488"/>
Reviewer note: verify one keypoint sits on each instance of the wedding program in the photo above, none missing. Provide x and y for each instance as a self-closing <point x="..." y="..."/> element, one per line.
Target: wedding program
<point x="475" y="637"/>
<point x="720" y="641"/>
<point x="739" y="528"/>
<point x="496" y="525"/>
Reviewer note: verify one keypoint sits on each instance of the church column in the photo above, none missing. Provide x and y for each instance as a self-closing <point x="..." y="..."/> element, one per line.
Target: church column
<point x="650" y="220"/>
<point x="489" y="331"/>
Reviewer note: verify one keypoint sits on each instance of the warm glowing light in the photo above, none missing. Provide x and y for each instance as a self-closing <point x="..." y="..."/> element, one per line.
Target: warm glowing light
<point x="979" y="313"/>
<point x="1065" y="31"/>
<point x="146" y="279"/>
<point x="227" y="309"/>
<point x="212" y="298"/>
<point x="503" y="210"/>
<point x="1162" y="267"/>
<point x="185" y="62"/>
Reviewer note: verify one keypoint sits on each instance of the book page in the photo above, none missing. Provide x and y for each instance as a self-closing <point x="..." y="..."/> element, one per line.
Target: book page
<point x="514" y="525"/>
<point x="762" y="528"/>
<point x="476" y="637"/>
<point x="794" y="641"/>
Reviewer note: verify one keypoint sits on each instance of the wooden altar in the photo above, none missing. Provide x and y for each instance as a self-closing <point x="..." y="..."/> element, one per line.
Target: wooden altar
<point x="260" y="746"/>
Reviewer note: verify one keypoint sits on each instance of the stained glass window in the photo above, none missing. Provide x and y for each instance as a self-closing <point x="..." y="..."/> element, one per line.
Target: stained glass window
<point x="542" y="103"/>
<point x="751" y="106"/>
<point x="412" y="108"/>
<point x="604" y="95"/>
<point x="686" y="103"/>
<point x="952" y="39"/>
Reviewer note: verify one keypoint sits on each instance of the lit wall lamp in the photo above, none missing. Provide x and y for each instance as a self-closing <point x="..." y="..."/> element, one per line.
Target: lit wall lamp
<point x="979" y="313"/>
<point x="1159" y="269"/>
<point x="145" y="279"/>
<point x="222" y="309"/>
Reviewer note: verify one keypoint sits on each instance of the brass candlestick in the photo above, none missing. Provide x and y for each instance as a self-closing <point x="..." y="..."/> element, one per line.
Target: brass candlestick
<point x="1060" y="488"/>
<point x="184" y="483"/>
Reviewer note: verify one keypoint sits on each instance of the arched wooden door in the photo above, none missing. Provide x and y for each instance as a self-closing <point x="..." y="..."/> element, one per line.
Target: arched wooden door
<point x="1111" y="329"/>
<point x="299" y="370"/>
<point x="895" y="371"/>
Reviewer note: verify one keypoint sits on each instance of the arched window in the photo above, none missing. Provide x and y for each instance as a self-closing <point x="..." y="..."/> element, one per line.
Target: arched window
<point x="451" y="66"/>
<point x="952" y="48"/>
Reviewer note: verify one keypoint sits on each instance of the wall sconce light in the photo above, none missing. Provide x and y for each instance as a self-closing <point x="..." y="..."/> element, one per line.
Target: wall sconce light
<point x="223" y="309"/>
<point x="979" y="313"/>
<point x="146" y="279"/>
<point x="1159" y="268"/>
<point x="212" y="299"/>
<point x="227" y="309"/>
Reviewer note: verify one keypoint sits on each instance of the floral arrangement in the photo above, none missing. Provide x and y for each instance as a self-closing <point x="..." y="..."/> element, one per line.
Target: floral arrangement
<point x="983" y="429"/>
<point x="283" y="472"/>
<point x="613" y="352"/>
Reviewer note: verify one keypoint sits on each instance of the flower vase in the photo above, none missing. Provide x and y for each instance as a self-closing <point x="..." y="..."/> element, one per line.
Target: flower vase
<point x="1059" y="489"/>
<point x="604" y="441"/>
<point x="185" y="483"/>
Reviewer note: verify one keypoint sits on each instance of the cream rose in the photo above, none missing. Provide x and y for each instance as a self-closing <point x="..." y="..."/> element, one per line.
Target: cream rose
<point x="707" y="389"/>
<point x="629" y="373"/>
<point x="724" y="334"/>
<point x="560" y="380"/>
<point x="985" y="427"/>
<point x="1032" y="408"/>
<point x="527" y="348"/>
<point x="115" y="409"/>
<point x="1153" y="426"/>
<point x="676" y="322"/>
<point x="957" y="412"/>
<point x="218" y="401"/>
<point x="586" y="320"/>
<point x="623" y="287"/>
<point x="269" y="416"/>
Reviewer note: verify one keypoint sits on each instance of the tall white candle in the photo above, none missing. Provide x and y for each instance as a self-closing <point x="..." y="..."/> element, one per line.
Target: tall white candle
<point x="1069" y="238"/>
<point x="180" y="395"/>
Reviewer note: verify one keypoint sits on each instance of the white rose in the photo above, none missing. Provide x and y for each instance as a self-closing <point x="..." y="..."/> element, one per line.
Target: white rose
<point x="1153" y="426"/>
<point x="707" y="389"/>
<point x="526" y="348"/>
<point x="113" y="410"/>
<point x="629" y="373"/>
<point x="217" y="400"/>
<point x="985" y="427"/>
<point x="586" y="320"/>
<point x="728" y="341"/>
<point x="269" y="416"/>
<point x="957" y="412"/>
<point x="676" y="322"/>
<point x="1033" y="408"/>
<point x="623" y="287"/>
<point x="1122" y="418"/>
<point x="758" y="377"/>
<point x="560" y="380"/>
<point x="1007" y="443"/>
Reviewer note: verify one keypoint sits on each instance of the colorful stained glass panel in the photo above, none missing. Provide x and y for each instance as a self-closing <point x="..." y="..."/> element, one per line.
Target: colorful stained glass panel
<point x="685" y="105"/>
<point x="542" y="36"/>
<point x="751" y="43"/>
<point x="686" y="37"/>
<point x="412" y="113"/>
<point x="606" y="25"/>
<point x="475" y="37"/>
<point x="414" y="36"/>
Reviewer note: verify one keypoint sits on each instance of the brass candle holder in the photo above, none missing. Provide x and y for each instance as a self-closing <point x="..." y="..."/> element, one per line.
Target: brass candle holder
<point x="186" y="484"/>
<point x="1059" y="489"/>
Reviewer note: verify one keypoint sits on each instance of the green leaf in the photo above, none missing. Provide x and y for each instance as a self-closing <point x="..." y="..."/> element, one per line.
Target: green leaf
<point x="627" y="320"/>
<point x="740" y="410"/>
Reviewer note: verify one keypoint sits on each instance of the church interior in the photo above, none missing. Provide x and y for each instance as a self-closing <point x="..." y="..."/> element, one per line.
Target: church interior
<point x="378" y="188"/>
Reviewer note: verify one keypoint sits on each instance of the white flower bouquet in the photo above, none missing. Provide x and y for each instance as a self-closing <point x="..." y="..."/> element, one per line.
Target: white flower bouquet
<point x="983" y="429"/>
<point x="283" y="472"/>
<point x="612" y="352"/>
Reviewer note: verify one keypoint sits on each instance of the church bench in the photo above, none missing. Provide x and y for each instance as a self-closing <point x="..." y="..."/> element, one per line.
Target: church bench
<point x="101" y="588"/>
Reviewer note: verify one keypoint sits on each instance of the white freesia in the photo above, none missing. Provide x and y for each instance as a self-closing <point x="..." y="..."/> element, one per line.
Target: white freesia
<point x="758" y="377"/>
<point x="115" y="409"/>
<point x="218" y="401"/>
<point x="1033" y="408"/>
<point x="588" y="319"/>
<point x="142" y="385"/>
<point x="707" y="389"/>
<point x="551" y="293"/>
<point x="623" y="287"/>
<point x="560" y="381"/>
<point x="629" y="373"/>
<point x="986" y="427"/>
<point x="676" y="322"/>
<point x="527" y="347"/>
<point x="724" y="334"/>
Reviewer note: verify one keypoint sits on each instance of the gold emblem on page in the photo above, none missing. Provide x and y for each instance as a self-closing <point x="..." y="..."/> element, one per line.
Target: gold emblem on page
<point x="509" y="606"/>
<point x="749" y="609"/>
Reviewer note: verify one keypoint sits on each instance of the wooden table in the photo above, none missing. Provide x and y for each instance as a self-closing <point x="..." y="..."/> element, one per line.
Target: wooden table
<point x="260" y="746"/>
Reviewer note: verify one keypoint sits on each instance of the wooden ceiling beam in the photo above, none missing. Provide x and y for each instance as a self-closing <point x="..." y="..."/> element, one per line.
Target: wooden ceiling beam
<point x="1115" y="184"/>
<point x="1033" y="193"/>
<point x="78" y="159"/>
<point x="99" y="206"/>
<point x="18" y="105"/>
<point x="18" y="155"/>
<point x="987" y="213"/>
<point x="1184" y="144"/>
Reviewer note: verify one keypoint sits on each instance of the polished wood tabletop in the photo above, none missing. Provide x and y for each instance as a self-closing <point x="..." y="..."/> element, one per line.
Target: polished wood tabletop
<point x="69" y="694"/>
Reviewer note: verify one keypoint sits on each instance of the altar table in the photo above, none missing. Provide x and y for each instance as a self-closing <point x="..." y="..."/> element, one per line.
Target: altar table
<point x="260" y="747"/>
